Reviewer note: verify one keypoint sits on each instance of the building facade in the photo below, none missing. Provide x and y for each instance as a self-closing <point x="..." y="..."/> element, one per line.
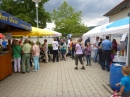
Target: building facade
<point x="119" y="12"/>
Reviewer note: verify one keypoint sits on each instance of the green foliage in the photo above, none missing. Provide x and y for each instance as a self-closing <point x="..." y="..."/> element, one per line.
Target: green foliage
<point x="67" y="20"/>
<point x="77" y="35"/>
<point x="26" y="10"/>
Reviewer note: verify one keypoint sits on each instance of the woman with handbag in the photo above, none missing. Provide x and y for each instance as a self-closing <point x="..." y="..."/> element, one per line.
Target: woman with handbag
<point x="17" y="49"/>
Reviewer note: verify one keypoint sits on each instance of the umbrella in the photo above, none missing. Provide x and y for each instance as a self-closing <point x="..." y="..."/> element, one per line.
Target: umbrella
<point x="1" y="36"/>
<point x="35" y="32"/>
<point x="56" y="34"/>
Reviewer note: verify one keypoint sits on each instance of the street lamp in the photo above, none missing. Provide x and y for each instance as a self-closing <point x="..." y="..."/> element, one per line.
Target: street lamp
<point x="36" y="5"/>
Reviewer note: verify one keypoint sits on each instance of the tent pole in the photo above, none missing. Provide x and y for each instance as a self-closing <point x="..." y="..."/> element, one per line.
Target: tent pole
<point x="128" y="50"/>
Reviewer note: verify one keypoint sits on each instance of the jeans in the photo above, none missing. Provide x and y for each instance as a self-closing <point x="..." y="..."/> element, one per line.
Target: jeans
<point x="100" y="56"/>
<point x="88" y="59"/>
<point x="36" y="62"/>
<point x="55" y="55"/>
<point x="73" y="51"/>
<point x="96" y="55"/>
<point x="107" y="64"/>
<point x="17" y="64"/>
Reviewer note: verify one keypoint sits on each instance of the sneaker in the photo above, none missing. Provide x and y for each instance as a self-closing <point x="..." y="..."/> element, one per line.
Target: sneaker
<point x="76" y="68"/>
<point x="83" y="68"/>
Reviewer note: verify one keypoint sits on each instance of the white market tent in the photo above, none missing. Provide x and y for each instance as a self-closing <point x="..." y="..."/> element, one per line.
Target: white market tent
<point x="117" y="27"/>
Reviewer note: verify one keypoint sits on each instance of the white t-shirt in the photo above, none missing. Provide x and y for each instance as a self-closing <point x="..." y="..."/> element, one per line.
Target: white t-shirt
<point x="68" y="45"/>
<point x="96" y="42"/>
<point x="55" y="45"/>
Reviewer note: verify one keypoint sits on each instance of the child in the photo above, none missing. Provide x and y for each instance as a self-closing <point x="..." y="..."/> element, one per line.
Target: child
<point x="88" y="53"/>
<point x="125" y="82"/>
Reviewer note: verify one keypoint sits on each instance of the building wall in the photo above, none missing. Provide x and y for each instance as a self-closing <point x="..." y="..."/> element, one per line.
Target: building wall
<point x="119" y="15"/>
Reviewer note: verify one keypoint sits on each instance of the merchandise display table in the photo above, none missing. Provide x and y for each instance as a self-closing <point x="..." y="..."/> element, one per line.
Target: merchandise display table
<point x="119" y="59"/>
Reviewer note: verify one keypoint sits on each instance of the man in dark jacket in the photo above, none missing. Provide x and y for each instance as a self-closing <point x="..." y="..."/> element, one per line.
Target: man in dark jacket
<point x="87" y="40"/>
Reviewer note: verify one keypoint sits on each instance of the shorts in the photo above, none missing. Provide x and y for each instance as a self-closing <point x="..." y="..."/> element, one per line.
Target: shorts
<point x="63" y="52"/>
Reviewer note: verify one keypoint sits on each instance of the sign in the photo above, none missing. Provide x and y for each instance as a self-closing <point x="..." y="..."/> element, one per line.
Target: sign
<point x="9" y="36"/>
<point x="123" y="37"/>
<point x="13" y="21"/>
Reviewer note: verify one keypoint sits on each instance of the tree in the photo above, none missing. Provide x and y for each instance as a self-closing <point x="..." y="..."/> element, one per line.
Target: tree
<point x="26" y="11"/>
<point x="67" y="20"/>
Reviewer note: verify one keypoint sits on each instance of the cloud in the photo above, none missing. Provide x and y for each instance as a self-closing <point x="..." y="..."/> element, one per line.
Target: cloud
<point x="92" y="10"/>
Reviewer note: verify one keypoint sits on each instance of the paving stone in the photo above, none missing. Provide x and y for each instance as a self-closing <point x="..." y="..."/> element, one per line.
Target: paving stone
<point x="57" y="79"/>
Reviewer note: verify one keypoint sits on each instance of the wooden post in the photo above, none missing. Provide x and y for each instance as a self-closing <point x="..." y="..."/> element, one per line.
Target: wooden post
<point x="9" y="41"/>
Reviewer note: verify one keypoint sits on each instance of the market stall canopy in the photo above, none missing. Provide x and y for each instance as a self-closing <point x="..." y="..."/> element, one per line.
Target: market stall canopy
<point x="56" y="34"/>
<point x="35" y="32"/>
<point x="15" y="23"/>
<point x="117" y="27"/>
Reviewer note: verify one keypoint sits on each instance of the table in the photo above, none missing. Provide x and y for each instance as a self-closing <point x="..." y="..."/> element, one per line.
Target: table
<point x="119" y="59"/>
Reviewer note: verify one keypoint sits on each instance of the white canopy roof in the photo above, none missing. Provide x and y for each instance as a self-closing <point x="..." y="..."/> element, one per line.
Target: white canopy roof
<point x="117" y="27"/>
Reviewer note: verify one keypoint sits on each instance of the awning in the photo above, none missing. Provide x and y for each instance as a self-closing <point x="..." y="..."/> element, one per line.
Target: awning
<point x="7" y="19"/>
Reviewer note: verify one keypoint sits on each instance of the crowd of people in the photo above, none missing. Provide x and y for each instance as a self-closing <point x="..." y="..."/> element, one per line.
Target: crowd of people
<point x="26" y="55"/>
<point x="28" y="52"/>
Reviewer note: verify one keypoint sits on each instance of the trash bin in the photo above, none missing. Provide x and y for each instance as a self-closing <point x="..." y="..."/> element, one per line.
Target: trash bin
<point x="115" y="75"/>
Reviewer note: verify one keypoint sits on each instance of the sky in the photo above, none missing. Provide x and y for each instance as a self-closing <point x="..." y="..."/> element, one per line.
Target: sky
<point x="92" y="10"/>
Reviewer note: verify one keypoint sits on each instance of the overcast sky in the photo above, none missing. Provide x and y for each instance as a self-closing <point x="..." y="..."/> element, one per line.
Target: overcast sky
<point x="92" y="10"/>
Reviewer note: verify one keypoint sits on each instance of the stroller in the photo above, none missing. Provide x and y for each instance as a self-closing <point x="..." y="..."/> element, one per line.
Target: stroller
<point x="42" y="57"/>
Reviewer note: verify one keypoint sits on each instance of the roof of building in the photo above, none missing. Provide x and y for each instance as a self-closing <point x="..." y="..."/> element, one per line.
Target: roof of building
<point x="122" y="6"/>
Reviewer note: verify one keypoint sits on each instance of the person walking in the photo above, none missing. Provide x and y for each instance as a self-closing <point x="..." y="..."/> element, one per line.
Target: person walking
<point x="78" y="55"/>
<point x="106" y="54"/>
<point x="45" y="49"/>
<point x="63" y="50"/>
<point x="26" y="56"/>
<point x="96" y="49"/>
<point x="17" y="49"/>
<point x="88" y="53"/>
<point x="55" y="46"/>
<point x="35" y="55"/>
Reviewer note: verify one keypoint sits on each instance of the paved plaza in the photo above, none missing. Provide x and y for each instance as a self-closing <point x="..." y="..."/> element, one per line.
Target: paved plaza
<point x="57" y="79"/>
